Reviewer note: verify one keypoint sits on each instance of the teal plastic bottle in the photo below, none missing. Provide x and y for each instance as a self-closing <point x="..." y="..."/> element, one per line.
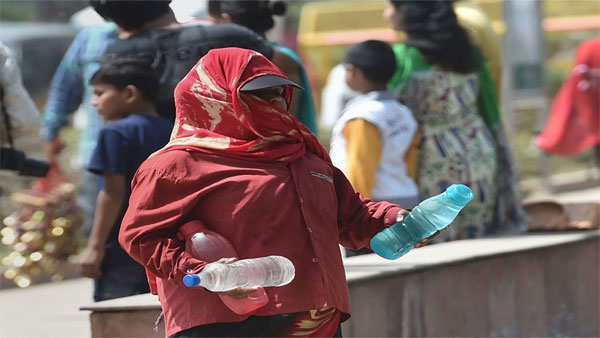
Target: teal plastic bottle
<point x="431" y="215"/>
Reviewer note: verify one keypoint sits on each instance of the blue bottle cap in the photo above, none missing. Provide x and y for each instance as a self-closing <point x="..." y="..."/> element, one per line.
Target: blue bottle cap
<point x="191" y="280"/>
<point x="461" y="194"/>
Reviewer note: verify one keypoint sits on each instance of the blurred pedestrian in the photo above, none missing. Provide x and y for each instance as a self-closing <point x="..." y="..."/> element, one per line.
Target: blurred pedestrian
<point x="19" y="118"/>
<point x="574" y="122"/>
<point x="23" y="115"/>
<point x="124" y="94"/>
<point x="470" y="16"/>
<point x="445" y="82"/>
<point x="369" y="142"/>
<point x="172" y="48"/>
<point x="334" y="96"/>
<point x="71" y="90"/>
<point x="248" y="170"/>
<point x="258" y="15"/>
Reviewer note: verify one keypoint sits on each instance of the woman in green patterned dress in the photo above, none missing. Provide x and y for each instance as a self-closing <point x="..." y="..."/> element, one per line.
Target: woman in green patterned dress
<point x="444" y="81"/>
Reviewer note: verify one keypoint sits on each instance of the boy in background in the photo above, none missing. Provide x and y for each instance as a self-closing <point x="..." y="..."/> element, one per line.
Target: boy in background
<point x="124" y="93"/>
<point x="371" y="139"/>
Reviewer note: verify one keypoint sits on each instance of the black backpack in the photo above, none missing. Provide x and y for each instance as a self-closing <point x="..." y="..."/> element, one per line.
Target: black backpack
<point x="173" y="52"/>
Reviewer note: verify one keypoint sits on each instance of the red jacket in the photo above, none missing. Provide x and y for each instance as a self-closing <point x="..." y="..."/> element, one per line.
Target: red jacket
<point x="300" y="210"/>
<point x="574" y="123"/>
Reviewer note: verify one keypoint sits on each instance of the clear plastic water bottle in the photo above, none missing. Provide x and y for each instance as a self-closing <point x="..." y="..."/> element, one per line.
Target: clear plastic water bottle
<point x="431" y="215"/>
<point x="262" y="271"/>
<point x="210" y="247"/>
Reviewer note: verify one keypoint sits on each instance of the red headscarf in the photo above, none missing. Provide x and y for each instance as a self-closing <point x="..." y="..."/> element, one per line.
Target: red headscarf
<point x="214" y="117"/>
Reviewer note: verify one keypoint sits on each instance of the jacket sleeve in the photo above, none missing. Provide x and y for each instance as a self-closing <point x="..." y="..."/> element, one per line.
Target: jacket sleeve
<point x="66" y="89"/>
<point x="359" y="218"/>
<point x="149" y="229"/>
<point x="363" y="154"/>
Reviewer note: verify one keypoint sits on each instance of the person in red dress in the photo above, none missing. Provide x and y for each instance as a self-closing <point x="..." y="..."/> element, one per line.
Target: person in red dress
<point x="574" y="123"/>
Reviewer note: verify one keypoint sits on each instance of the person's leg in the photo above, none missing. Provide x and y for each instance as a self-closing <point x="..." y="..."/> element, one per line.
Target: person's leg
<point x="89" y="186"/>
<point x="254" y="326"/>
<point x="121" y="275"/>
<point x="105" y="289"/>
<point x="98" y="290"/>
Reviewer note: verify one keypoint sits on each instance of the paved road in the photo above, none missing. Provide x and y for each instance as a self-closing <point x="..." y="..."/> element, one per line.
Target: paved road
<point x="46" y="310"/>
<point x="52" y="310"/>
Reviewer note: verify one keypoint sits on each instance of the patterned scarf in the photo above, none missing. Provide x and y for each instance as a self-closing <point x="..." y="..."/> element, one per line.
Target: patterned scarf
<point x="214" y="117"/>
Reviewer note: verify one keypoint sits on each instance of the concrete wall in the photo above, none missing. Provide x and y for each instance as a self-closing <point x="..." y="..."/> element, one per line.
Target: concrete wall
<point x="536" y="292"/>
<point x="531" y="285"/>
<point x="135" y="323"/>
<point x="125" y="317"/>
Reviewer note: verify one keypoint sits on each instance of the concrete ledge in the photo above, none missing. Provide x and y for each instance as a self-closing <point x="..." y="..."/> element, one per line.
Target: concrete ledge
<point x="534" y="285"/>
<point x="133" y="303"/>
<point x="132" y="323"/>
<point x="544" y="284"/>
<point x="132" y="316"/>
<point x="459" y="252"/>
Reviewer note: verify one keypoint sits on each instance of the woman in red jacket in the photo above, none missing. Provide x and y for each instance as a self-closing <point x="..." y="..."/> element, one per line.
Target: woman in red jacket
<point x="574" y="123"/>
<point x="248" y="170"/>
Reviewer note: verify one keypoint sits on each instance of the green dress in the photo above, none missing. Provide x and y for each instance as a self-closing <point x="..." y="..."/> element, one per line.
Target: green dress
<point x="461" y="142"/>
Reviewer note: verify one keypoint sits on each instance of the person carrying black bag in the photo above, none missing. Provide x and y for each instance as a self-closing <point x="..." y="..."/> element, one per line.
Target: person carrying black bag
<point x="148" y="30"/>
<point x="19" y="118"/>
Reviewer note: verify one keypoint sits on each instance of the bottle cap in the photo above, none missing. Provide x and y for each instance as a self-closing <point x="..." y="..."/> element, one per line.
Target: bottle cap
<point x="191" y="280"/>
<point x="461" y="194"/>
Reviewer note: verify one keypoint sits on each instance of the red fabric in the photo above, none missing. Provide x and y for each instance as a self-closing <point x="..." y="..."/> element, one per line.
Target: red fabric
<point x="315" y="323"/>
<point x="214" y="117"/>
<point x="574" y="123"/>
<point x="54" y="178"/>
<point x="300" y="210"/>
<point x="184" y="231"/>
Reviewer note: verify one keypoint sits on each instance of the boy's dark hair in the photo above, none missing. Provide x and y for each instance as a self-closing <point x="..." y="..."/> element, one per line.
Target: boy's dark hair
<point x="255" y="15"/>
<point x="130" y="14"/>
<point x="374" y="58"/>
<point x="124" y="72"/>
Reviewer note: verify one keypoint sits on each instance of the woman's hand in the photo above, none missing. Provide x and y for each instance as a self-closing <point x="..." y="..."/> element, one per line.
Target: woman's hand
<point x="400" y="217"/>
<point x="238" y="292"/>
<point x="89" y="264"/>
<point x="52" y="149"/>
<point x="424" y="242"/>
<point x="401" y="214"/>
